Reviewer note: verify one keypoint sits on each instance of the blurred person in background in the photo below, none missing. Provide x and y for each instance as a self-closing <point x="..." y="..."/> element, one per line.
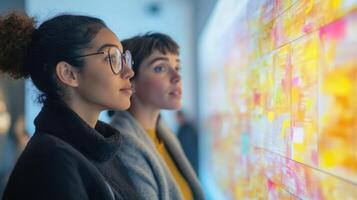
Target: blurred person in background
<point x="5" y="118"/>
<point x="155" y="160"/>
<point x="188" y="137"/>
<point x="21" y="135"/>
<point x="7" y="147"/>
<point x="79" y="66"/>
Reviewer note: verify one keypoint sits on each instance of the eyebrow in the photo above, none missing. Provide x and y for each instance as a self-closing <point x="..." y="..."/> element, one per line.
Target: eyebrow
<point x="161" y="58"/>
<point x="106" y="46"/>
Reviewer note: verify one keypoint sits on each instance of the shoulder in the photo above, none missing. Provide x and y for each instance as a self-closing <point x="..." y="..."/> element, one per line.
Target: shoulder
<point x="125" y="123"/>
<point x="137" y="151"/>
<point x="122" y="119"/>
<point x="47" y="153"/>
<point x="50" y="165"/>
<point x="48" y="157"/>
<point x="47" y="147"/>
<point x="130" y="129"/>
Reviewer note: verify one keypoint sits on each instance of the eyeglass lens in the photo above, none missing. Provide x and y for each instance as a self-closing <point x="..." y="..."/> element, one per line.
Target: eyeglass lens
<point x="116" y="59"/>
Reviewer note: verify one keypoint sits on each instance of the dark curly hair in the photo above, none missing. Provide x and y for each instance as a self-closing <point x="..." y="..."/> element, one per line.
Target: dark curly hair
<point x="142" y="46"/>
<point x="16" y="31"/>
<point x="27" y="51"/>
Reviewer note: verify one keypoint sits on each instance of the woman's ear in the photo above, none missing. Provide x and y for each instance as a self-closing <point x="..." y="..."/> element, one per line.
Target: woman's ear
<point x="67" y="74"/>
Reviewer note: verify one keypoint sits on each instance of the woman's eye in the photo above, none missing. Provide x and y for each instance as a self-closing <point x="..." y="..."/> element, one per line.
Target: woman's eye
<point x="159" y="69"/>
<point x="114" y="58"/>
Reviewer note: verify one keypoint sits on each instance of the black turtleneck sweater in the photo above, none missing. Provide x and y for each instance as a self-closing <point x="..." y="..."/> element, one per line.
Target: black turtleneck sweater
<point x="67" y="159"/>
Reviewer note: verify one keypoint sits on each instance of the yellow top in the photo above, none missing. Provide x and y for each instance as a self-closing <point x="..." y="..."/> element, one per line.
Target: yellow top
<point x="180" y="180"/>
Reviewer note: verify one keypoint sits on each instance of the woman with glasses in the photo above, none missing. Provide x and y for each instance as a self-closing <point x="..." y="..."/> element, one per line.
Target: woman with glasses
<point x="151" y="152"/>
<point x="78" y="65"/>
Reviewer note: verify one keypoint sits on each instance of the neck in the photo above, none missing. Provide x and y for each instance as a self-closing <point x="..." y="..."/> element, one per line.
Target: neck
<point x="85" y="110"/>
<point x="147" y="116"/>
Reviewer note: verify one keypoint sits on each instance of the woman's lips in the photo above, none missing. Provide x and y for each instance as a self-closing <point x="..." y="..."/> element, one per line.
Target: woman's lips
<point x="127" y="91"/>
<point x="176" y="93"/>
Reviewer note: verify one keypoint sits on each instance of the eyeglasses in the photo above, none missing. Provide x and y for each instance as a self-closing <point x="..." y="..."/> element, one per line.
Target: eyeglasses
<point x="116" y="59"/>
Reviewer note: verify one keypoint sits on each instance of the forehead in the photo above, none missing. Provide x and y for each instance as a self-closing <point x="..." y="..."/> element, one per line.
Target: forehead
<point x="158" y="56"/>
<point x="105" y="37"/>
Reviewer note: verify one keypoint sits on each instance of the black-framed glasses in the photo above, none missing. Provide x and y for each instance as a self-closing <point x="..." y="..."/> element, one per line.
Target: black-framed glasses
<point x="115" y="58"/>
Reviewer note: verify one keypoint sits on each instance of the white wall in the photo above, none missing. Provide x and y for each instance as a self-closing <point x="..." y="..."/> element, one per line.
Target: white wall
<point x="128" y="18"/>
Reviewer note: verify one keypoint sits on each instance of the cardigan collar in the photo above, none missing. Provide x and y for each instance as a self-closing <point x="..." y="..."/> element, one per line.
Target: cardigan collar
<point x="99" y="144"/>
<point x="125" y="122"/>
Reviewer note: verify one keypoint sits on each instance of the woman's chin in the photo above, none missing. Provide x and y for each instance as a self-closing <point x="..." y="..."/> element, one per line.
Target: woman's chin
<point x="176" y="106"/>
<point x="121" y="106"/>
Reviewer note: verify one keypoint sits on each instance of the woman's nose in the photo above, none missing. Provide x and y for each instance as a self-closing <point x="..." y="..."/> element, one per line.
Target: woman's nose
<point x="128" y="73"/>
<point x="176" y="76"/>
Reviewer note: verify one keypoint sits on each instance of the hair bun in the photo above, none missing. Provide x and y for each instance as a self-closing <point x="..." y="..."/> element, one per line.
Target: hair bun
<point x="16" y="31"/>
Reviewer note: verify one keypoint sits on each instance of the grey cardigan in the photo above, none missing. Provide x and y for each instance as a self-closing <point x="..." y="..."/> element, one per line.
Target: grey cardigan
<point x="148" y="171"/>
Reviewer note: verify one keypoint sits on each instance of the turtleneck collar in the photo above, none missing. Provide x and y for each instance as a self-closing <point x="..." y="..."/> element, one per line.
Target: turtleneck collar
<point x="99" y="144"/>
